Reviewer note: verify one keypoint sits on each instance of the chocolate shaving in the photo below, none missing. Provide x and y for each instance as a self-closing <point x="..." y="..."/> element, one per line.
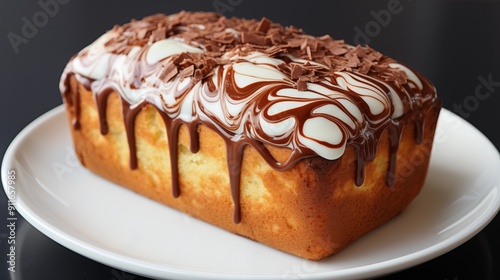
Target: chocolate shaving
<point x="253" y="38"/>
<point x="198" y="76"/>
<point x="297" y="71"/>
<point x="218" y="36"/>
<point x="223" y="38"/>
<point x="308" y="52"/>
<point x="301" y="85"/>
<point x="159" y="34"/>
<point x="295" y="42"/>
<point x="169" y="71"/>
<point x="186" y="72"/>
<point x="303" y="45"/>
<point x="275" y="39"/>
<point x="264" y="25"/>
<point x="379" y="67"/>
<point x="141" y="34"/>
<point x="275" y="50"/>
<point x="338" y="50"/>
<point x="365" y="68"/>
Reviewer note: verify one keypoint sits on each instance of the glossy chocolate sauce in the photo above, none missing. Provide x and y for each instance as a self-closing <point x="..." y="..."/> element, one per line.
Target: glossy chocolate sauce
<point x="254" y="83"/>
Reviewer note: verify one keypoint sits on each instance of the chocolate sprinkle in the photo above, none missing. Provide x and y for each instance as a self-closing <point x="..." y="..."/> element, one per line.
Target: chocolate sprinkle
<point x="264" y="25"/>
<point x="168" y="72"/>
<point x="219" y="35"/>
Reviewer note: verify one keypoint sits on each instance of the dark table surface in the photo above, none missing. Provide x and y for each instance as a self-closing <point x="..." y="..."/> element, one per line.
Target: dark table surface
<point x="454" y="43"/>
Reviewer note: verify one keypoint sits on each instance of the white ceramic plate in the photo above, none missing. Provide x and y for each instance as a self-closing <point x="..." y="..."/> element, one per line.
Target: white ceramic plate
<point x="114" y="226"/>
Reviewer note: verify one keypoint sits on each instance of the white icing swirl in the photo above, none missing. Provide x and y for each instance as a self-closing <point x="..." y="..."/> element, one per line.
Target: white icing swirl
<point x="267" y="105"/>
<point x="166" y="48"/>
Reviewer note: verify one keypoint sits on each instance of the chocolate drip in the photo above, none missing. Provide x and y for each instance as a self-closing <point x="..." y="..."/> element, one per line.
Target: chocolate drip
<point x="194" y="137"/>
<point x="234" y="157"/>
<point x="419" y="130"/>
<point x="129" y="115"/>
<point x="395" y="130"/>
<point x="76" y="106"/>
<point x="360" y="165"/>
<point x="172" y="127"/>
<point x="101" y="101"/>
<point x="365" y="146"/>
<point x="72" y="97"/>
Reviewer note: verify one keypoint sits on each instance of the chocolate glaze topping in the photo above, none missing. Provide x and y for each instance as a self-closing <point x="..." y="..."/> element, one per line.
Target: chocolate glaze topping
<point x="254" y="82"/>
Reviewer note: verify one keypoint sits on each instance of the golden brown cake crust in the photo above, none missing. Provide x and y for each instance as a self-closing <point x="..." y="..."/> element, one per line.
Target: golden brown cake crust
<point x="312" y="210"/>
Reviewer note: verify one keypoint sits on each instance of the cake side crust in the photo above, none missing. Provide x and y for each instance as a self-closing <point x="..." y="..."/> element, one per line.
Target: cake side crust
<point x="312" y="210"/>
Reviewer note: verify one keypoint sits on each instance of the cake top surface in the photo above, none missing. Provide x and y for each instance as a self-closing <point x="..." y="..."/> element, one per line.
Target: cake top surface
<point x="253" y="81"/>
<point x="220" y="37"/>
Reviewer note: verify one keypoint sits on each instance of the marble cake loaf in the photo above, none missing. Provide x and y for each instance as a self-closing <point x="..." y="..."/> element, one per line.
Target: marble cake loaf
<point x="302" y="143"/>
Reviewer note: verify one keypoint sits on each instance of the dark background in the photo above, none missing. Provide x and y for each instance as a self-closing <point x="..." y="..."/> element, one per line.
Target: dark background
<point x="453" y="43"/>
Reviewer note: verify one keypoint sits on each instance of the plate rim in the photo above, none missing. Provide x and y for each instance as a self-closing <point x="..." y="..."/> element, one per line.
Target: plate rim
<point x="150" y="269"/>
